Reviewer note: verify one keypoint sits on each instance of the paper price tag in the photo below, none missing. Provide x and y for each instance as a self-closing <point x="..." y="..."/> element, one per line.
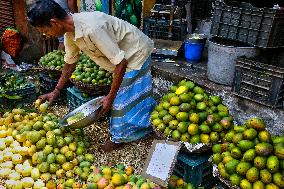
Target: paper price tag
<point x="160" y="161"/>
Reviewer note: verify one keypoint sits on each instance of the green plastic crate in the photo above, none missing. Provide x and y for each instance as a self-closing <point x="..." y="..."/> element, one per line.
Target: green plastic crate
<point x="194" y="168"/>
<point x="75" y="98"/>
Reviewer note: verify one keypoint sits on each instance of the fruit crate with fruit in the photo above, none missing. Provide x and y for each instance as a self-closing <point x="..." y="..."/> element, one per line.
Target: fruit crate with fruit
<point x="52" y="62"/>
<point x="194" y="168"/>
<point x="259" y="82"/>
<point x="76" y="98"/>
<point x="261" y="27"/>
<point x="20" y="97"/>
<point x="15" y="91"/>
<point x="90" y="78"/>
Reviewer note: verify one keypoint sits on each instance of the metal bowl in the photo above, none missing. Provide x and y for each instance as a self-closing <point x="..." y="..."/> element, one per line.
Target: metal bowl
<point x="91" y="111"/>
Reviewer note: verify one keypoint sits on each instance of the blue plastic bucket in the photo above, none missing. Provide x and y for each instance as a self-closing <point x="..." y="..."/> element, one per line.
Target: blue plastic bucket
<point x="193" y="51"/>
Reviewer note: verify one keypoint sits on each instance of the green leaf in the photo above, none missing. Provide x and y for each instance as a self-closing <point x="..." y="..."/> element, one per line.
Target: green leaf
<point x="12" y="97"/>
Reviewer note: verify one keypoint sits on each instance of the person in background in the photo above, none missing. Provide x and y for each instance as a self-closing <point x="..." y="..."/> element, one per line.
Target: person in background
<point x="86" y="5"/>
<point x="68" y="6"/>
<point x="118" y="47"/>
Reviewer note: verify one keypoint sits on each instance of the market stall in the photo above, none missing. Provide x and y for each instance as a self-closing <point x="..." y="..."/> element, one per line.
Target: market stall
<point x="219" y="112"/>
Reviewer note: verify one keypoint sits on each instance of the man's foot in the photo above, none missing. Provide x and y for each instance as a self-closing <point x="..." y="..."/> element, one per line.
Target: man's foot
<point x="109" y="146"/>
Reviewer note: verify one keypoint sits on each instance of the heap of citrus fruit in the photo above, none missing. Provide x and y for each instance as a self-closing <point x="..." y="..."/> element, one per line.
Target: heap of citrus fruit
<point x="250" y="158"/>
<point x="189" y="114"/>
<point x="121" y="177"/>
<point x="53" y="60"/>
<point x="88" y="72"/>
<point x="36" y="153"/>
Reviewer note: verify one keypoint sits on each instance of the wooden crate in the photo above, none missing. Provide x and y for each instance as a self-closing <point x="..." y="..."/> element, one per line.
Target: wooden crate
<point x="49" y="44"/>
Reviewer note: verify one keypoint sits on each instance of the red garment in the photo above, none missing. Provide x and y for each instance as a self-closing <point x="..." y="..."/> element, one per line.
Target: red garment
<point x="11" y="42"/>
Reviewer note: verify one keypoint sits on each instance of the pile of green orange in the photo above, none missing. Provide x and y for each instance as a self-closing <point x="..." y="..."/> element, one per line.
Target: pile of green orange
<point x="250" y="158"/>
<point x="88" y="71"/>
<point x="121" y="177"/>
<point x="36" y="153"/>
<point x="53" y="60"/>
<point x="189" y="114"/>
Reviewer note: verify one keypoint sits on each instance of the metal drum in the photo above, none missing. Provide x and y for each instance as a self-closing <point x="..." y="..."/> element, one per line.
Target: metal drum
<point x="221" y="59"/>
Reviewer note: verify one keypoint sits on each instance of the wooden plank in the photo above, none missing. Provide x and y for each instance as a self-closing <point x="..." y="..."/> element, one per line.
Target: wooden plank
<point x="147" y="6"/>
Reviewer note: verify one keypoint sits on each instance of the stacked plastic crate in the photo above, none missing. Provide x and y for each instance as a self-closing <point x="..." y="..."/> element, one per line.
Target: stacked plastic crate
<point x="256" y="79"/>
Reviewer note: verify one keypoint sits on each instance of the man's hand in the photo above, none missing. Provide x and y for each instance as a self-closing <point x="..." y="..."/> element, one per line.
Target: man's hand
<point x="50" y="96"/>
<point x="106" y="104"/>
<point x="118" y="77"/>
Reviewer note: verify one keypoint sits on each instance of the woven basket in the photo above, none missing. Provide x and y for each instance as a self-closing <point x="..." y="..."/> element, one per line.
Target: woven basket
<point x="91" y="89"/>
<point x="187" y="147"/>
<point x="50" y="70"/>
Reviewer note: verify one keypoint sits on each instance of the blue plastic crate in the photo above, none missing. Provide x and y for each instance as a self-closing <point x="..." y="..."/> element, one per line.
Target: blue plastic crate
<point x="75" y="98"/>
<point x="193" y="168"/>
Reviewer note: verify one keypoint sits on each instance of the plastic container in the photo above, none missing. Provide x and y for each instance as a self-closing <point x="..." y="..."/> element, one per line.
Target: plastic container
<point x="75" y="98"/>
<point x="159" y="29"/>
<point x="261" y="27"/>
<point x="193" y="47"/>
<point x="193" y="168"/>
<point x="259" y="82"/>
<point x="201" y="8"/>
<point x="221" y="59"/>
<point x="91" y="113"/>
<point x="193" y="51"/>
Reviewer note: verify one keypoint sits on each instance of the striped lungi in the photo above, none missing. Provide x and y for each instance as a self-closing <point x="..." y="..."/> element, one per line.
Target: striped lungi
<point x="134" y="102"/>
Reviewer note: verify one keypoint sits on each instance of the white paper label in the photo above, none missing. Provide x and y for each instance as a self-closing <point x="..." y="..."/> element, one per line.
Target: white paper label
<point x="161" y="161"/>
